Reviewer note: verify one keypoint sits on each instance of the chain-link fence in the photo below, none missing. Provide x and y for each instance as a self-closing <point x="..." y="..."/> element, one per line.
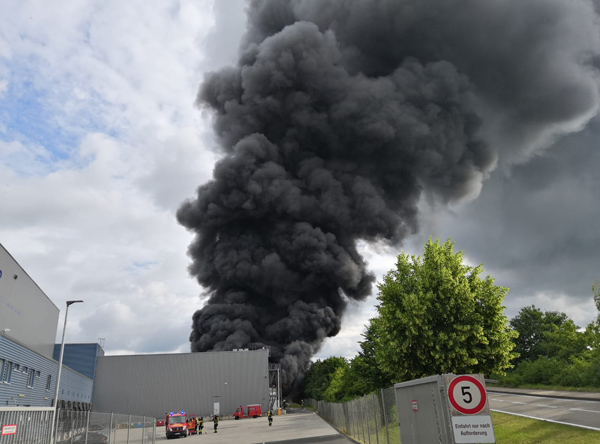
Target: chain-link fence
<point x="30" y="425"/>
<point x="372" y="419"/>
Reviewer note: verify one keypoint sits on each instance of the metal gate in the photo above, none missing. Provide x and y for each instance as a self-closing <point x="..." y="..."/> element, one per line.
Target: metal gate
<point x="25" y="425"/>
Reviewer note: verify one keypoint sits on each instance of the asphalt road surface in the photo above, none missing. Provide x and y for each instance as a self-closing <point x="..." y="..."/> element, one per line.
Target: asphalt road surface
<point x="303" y="427"/>
<point x="577" y="412"/>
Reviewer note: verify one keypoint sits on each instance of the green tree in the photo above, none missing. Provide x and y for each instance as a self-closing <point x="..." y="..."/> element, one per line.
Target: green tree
<point x="372" y="377"/>
<point x="338" y="385"/>
<point x="436" y="315"/>
<point x="532" y="325"/>
<point x="318" y="377"/>
<point x="549" y="334"/>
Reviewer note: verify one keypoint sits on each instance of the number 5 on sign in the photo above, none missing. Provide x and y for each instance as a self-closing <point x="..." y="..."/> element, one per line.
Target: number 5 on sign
<point x="467" y="395"/>
<point x="470" y="413"/>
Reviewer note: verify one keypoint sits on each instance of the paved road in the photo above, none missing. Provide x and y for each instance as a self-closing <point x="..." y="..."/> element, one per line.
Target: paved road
<point x="300" y="428"/>
<point x="560" y="407"/>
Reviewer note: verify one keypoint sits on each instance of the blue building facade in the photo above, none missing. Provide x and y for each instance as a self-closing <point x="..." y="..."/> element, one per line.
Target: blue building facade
<point x="28" y="379"/>
<point x="82" y="358"/>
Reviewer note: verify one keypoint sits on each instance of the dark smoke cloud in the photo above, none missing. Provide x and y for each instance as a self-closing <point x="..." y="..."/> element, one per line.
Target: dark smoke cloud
<point x="338" y="118"/>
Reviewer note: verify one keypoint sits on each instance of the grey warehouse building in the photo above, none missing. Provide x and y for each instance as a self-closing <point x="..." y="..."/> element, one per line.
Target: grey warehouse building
<point x="149" y="385"/>
<point x="152" y="385"/>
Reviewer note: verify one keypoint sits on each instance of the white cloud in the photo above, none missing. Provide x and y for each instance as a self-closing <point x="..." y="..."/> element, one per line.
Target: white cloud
<point x="94" y="218"/>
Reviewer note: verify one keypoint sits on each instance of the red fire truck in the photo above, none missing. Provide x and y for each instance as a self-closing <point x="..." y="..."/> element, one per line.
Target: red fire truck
<point x="176" y="424"/>
<point x="248" y="411"/>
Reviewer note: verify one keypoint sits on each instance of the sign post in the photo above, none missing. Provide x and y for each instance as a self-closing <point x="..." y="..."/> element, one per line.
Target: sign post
<point x="469" y="409"/>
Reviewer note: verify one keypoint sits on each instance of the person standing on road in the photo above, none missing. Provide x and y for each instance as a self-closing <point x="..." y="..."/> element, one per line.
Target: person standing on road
<point x="216" y="422"/>
<point x="200" y="422"/>
<point x="270" y="416"/>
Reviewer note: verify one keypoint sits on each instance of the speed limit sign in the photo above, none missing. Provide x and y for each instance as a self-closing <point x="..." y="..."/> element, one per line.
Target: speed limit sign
<point x="467" y="395"/>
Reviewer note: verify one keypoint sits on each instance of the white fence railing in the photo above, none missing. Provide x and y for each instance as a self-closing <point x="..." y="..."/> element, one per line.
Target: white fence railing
<point x="32" y="425"/>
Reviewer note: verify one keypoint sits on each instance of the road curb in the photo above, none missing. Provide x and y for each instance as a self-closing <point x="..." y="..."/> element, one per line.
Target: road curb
<point x="588" y="396"/>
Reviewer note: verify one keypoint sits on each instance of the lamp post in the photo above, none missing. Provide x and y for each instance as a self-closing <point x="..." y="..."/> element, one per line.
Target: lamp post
<point x="60" y="360"/>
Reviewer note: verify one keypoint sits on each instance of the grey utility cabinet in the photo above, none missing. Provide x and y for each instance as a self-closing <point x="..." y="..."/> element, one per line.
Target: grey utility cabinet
<point x="444" y="409"/>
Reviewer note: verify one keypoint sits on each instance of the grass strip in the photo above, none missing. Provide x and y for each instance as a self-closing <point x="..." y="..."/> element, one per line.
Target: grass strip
<point x="511" y="429"/>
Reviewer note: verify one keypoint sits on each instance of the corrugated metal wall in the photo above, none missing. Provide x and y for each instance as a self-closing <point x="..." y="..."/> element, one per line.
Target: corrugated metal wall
<point x="80" y="357"/>
<point x="73" y="386"/>
<point x="25" y="309"/>
<point x="154" y="384"/>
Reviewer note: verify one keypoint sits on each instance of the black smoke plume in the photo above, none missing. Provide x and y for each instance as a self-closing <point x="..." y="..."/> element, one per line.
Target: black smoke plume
<point x="338" y="118"/>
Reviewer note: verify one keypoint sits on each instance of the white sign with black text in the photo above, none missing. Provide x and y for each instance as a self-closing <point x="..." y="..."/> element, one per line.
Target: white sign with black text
<point x="469" y="409"/>
<point x="473" y="429"/>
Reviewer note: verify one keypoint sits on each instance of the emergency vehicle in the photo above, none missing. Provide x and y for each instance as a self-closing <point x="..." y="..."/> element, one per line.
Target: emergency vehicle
<point x="176" y="424"/>
<point x="248" y="411"/>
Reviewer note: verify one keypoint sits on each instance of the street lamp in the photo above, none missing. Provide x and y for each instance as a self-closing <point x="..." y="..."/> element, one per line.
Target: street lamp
<point x="60" y="360"/>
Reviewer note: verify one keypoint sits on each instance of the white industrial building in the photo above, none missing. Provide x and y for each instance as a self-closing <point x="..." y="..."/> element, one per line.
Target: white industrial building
<point x="28" y="325"/>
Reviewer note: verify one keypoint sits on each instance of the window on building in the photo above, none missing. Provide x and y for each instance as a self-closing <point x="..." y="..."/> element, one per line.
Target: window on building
<point x="7" y="373"/>
<point x="31" y="378"/>
<point x="48" y="383"/>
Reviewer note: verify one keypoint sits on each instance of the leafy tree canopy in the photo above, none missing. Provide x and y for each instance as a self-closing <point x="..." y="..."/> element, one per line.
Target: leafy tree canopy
<point x="436" y="315"/>
<point x="319" y="376"/>
<point x="549" y="334"/>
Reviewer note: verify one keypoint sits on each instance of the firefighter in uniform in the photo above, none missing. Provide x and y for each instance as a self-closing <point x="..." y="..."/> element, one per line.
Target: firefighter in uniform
<point x="200" y="424"/>
<point x="216" y="422"/>
<point x="270" y="416"/>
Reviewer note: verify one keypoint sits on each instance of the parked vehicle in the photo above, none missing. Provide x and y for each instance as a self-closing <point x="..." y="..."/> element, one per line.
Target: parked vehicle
<point x="248" y="411"/>
<point x="176" y="424"/>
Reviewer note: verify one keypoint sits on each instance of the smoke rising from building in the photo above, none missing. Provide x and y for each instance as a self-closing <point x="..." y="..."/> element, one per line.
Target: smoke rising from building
<point x="338" y="118"/>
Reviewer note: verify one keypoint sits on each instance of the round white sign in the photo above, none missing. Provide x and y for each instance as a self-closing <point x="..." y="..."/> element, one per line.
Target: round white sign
<point x="467" y="395"/>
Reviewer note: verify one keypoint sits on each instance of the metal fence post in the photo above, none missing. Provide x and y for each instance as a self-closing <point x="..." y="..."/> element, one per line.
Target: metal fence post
<point x="87" y="426"/>
<point x="347" y="418"/>
<point x="110" y="428"/>
<point x="143" y="428"/>
<point x="366" y="416"/>
<point x="355" y="421"/>
<point x="375" y="405"/>
<point x="387" y="434"/>
<point x="128" y="427"/>
<point x="362" y="423"/>
<point x="58" y="412"/>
